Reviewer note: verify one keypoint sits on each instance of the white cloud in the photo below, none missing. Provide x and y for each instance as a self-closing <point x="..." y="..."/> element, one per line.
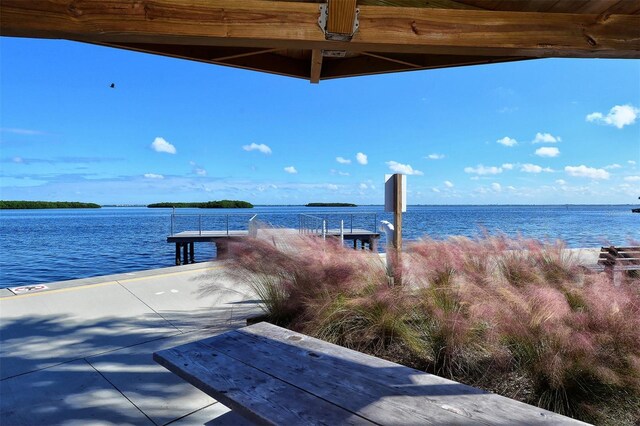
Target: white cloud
<point x="507" y="141"/>
<point x="547" y="151"/>
<point x="448" y="184"/>
<point x="613" y="166"/>
<point x="589" y="172"/>
<point x="403" y="168"/>
<point x="343" y="160"/>
<point x="533" y="168"/>
<point x="153" y="176"/>
<point x="18" y="160"/>
<point x="496" y="186"/>
<point x="561" y="182"/>
<point x="197" y="170"/>
<point x="507" y="166"/>
<point x="361" y="158"/>
<point x="482" y="170"/>
<point x="332" y="187"/>
<point x="633" y="163"/>
<point x="363" y="186"/>
<point x="619" y="116"/>
<point x="632" y="178"/>
<point x="435" y="156"/>
<point x="344" y="173"/>
<point x="161" y="145"/>
<point x="546" y="138"/>
<point x="291" y="170"/>
<point x="257" y="147"/>
<point x="435" y="190"/>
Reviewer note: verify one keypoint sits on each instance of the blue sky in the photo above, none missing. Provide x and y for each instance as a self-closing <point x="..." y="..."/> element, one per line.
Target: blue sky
<point x="554" y="131"/>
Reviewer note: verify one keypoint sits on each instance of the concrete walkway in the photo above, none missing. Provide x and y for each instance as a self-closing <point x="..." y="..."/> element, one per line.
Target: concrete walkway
<point x="79" y="353"/>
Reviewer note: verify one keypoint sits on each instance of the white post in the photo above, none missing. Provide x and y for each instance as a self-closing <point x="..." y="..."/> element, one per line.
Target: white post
<point x="324" y="229"/>
<point x="341" y="232"/>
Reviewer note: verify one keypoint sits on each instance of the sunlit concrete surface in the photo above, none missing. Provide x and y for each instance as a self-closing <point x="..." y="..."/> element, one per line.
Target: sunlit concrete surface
<point x="80" y="351"/>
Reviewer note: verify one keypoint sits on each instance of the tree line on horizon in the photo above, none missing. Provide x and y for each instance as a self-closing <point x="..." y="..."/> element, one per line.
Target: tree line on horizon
<point x="4" y="204"/>
<point x="220" y="204"/>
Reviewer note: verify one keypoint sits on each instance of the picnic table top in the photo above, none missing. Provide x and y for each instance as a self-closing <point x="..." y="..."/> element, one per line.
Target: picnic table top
<point x="272" y="375"/>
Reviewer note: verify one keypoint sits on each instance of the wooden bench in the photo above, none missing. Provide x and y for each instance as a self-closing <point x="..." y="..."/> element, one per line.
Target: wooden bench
<point x="617" y="260"/>
<point x="273" y="375"/>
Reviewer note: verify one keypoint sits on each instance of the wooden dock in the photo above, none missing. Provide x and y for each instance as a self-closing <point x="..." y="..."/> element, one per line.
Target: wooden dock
<point x="185" y="241"/>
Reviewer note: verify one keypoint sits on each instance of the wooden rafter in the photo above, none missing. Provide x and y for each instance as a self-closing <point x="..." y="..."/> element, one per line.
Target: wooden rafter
<point x="316" y="66"/>
<point x="282" y="25"/>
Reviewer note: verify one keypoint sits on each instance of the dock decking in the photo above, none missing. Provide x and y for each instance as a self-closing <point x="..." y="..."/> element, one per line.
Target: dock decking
<point x="185" y="240"/>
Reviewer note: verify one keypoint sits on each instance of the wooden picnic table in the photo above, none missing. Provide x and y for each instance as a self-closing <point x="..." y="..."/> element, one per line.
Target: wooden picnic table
<point x="618" y="260"/>
<point x="272" y="375"/>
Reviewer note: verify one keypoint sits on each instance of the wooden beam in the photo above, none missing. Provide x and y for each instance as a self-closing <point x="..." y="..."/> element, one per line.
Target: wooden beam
<point x="271" y="63"/>
<point x="370" y="64"/>
<point x="316" y="66"/>
<point x="342" y="13"/>
<point x="276" y="24"/>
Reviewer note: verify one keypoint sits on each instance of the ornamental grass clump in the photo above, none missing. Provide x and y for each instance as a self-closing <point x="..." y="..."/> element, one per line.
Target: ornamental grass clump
<point x="514" y="316"/>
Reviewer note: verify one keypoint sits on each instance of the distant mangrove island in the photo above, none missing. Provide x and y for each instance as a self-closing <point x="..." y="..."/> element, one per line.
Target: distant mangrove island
<point x="331" y="205"/>
<point x="221" y="204"/>
<point x="47" y="205"/>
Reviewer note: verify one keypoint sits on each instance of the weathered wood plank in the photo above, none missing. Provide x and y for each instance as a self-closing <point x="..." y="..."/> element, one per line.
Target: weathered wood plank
<point x="450" y="395"/>
<point x="274" y="24"/>
<point x="361" y="394"/>
<point x="248" y="391"/>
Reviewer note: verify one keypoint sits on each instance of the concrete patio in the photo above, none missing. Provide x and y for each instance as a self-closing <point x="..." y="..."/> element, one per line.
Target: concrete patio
<point x="80" y="352"/>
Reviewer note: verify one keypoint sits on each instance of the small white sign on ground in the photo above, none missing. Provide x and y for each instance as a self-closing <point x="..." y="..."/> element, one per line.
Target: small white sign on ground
<point x="28" y="289"/>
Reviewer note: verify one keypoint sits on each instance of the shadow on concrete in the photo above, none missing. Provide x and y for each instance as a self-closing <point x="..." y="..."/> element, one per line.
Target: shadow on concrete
<point x="56" y="370"/>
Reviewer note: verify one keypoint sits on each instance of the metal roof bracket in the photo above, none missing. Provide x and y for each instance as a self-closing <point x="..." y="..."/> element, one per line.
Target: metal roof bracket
<point x="337" y="22"/>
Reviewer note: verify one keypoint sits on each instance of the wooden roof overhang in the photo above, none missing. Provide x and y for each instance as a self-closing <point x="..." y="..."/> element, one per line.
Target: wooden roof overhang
<point x="289" y="38"/>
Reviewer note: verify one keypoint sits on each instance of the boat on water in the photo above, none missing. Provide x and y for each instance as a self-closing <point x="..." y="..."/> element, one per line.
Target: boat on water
<point x="636" y="210"/>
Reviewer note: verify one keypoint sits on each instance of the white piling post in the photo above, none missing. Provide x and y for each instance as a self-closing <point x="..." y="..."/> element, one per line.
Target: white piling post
<point x="341" y="232"/>
<point x="324" y="229"/>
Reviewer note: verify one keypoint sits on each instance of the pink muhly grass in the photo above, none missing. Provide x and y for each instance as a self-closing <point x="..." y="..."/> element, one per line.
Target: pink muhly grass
<point x="479" y="311"/>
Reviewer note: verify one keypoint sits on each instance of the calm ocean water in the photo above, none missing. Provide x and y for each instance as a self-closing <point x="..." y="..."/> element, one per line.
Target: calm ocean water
<point x="39" y="246"/>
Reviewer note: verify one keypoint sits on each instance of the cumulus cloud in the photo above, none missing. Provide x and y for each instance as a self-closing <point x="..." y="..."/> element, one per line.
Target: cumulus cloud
<point x="448" y="184"/>
<point x="153" y="176"/>
<point x="632" y="178"/>
<point x="533" y="168"/>
<point x="618" y="116"/>
<point x="496" y="186"/>
<point x="507" y="166"/>
<point x="435" y="156"/>
<point x="435" y="190"/>
<point x="291" y="170"/>
<point x="161" y="145"/>
<point x="546" y="138"/>
<point x="343" y="160"/>
<point x="403" y="168"/>
<point x="361" y="158"/>
<point x="561" y="182"/>
<point x="482" y="170"/>
<point x="613" y="166"/>
<point x="332" y="187"/>
<point x="633" y="163"/>
<point x="257" y="147"/>
<point x="588" y="172"/>
<point x="363" y="186"/>
<point x="547" y="151"/>
<point x="507" y="141"/>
